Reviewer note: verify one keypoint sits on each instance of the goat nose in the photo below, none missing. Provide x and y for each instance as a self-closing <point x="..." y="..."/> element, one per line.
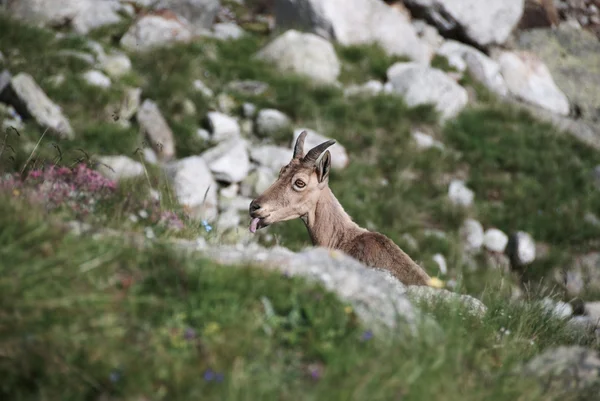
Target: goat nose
<point x="254" y="206"/>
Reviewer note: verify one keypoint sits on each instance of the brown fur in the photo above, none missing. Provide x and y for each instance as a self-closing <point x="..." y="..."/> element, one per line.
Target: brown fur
<point x="327" y="222"/>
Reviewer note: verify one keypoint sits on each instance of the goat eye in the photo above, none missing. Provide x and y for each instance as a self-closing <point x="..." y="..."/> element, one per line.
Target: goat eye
<point x="299" y="183"/>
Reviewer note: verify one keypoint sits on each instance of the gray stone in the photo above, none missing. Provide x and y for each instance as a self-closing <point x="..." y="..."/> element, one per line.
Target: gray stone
<point x="194" y="186"/>
<point x="81" y="15"/>
<point x="119" y="167"/>
<point x="222" y="126"/>
<point x="97" y="78"/>
<point x="228" y="161"/>
<point x="152" y="31"/>
<point x="271" y="156"/>
<point x="29" y="100"/>
<point x="203" y="88"/>
<point x="257" y="182"/>
<point x="472" y="233"/>
<point x="521" y="248"/>
<point x="303" y="54"/>
<point x="567" y="371"/>
<point x="369" y="88"/>
<point x="495" y="240"/>
<point x="227" y="31"/>
<point x="271" y="122"/>
<point x="484" y="22"/>
<point x="482" y="68"/>
<point x="459" y="194"/>
<point x="199" y="13"/>
<point x="528" y="79"/>
<point x="157" y="130"/>
<point x="354" y="22"/>
<point x="248" y="87"/>
<point x="424" y="141"/>
<point x="592" y="309"/>
<point x="420" y="85"/>
<point x="339" y="156"/>
<point x="116" y="64"/>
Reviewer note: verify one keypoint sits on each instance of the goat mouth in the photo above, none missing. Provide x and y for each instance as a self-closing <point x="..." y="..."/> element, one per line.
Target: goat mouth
<point x="257" y="223"/>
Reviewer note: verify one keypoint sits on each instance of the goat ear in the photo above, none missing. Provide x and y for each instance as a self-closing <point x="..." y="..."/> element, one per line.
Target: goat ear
<point x="323" y="167"/>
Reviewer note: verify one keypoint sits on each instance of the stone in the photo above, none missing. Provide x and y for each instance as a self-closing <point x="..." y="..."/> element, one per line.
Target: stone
<point x="271" y="122"/>
<point x="428" y="33"/>
<point x="228" y="31"/>
<point x="369" y="88"/>
<point x="424" y="141"/>
<point x="303" y="54"/>
<point x="484" y="23"/>
<point x="440" y="260"/>
<point x="248" y="87"/>
<point x="130" y="103"/>
<point x="120" y="167"/>
<point x="420" y="85"/>
<point x="521" y="249"/>
<point x="429" y="294"/>
<point x="116" y="64"/>
<point x="81" y="15"/>
<point x="157" y="130"/>
<point x="249" y="110"/>
<point x="199" y="13"/>
<point x="528" y="79"/>
<point x="271" y="156"/>
<point x="228" y="161"/>
<point x="230" y="218"/>
<point x="339" y="156"/>
<point x="153" y="31"/>
<point x="203" y="88"/>
<point x="459" y="194"/>
<point x="495" y="240"/>
<point x="472" y="235"/>
<point x="592" y="309"/>
<point x="257" y="182"/>
<point x="194" y="186"/>
<point x="567" y="371"/>
<point x="222" y="126"/>
<point x="354" y="22"/>
<point x="97" y="78"/>
<point x="483" y="68"/>
<point x="30" y="101"/>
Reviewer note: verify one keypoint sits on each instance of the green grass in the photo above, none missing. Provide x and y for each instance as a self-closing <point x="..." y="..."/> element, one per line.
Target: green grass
<point x="84" y="318"/>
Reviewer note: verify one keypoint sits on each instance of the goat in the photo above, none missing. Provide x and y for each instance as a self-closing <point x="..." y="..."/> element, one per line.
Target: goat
<point x="302" y="191"/>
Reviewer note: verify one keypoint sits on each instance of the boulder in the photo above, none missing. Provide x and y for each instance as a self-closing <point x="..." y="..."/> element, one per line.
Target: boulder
<point x="495" y="240"/>
<point x="420" y="84"/>
<point x="482" y="22"/>
<point x="153" y="31"/>
<point x="228" y="161"/>
<point x="157" y="130"/>
<point x="354" y="22"/>
<point x="271" y="156"/>
<point x="29" y="100"/>
<point x="222" y="126"/>
<point x="304" y="54"/>
<point x="271" y="122"/>
<point x="528" y="79"/>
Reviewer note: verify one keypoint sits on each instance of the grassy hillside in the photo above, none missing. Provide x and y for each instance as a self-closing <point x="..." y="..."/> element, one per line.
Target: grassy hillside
<point x="87" y="318"/>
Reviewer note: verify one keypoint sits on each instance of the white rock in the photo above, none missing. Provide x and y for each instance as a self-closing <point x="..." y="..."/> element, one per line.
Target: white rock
<point x="354" y="22"/>
<point x="495" y="240"/>
<point x="230" y="218"/>
<point x="303" y="54"/>
<point x="257" y="182"/>
<point x="203" y="134"/>
<point x="339" y="156"/>
<point x="369" y="88"/>
<point x="150" y="156"/>
<point x="523" y="247"/>
<point x="483" y="22"/>
<point x="229" y="160"/>
<point x="222" y="126"/>
<point x="271" y="122"/>
<point x="116" y="64"/>
<point x="472" y="234"/>
<point x="441" y="262"/>
<point x="424" y="141"/>
<point x="248" y="110"/>
<point x="119" y="167"/>
<point x="29" y="99"/>
<point x="200" y="13"/>
<point x="230" y="191"/>
<point x="202" y="88"/>
<point x="228" y="30"/>
<point x="428" y="33"/>
<point x="153" y="31"/>
<point x="592" y="309"/>
<point x="157" y="130"/>
<point x="483" y="68"/>
<point x="561" y="310"/>
<point x="194" y="186"/>
<point x="528" y="78"/>
<point x="82" y="15"/>
<point x="97" y="78"/>
<point x="459" y="194"/>
<point x="237" y="203"/>
<point x="271" y="156"/>
<point x="420" y="84"/>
